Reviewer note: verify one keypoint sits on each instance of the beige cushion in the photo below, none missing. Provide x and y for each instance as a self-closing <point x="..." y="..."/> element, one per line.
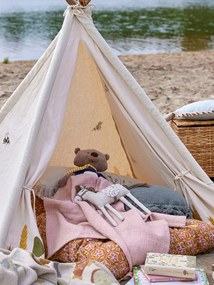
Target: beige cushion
<point x="126" y="181"/>
<point x="47" y="184"/>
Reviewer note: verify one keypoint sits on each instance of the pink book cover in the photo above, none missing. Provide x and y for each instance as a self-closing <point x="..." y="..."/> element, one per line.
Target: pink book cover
<point x="141" y="278"/>
<point x="160" y="278"/>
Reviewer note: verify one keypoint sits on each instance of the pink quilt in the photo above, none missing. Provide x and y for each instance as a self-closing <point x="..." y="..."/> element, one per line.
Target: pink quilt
<point x="66" y="221"/>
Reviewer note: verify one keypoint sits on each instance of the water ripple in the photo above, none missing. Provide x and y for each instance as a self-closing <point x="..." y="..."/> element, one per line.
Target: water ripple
<point x="153" y="29"/>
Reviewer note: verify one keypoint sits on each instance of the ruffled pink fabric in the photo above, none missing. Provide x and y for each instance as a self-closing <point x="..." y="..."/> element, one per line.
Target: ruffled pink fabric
<point x="66" y="221"/>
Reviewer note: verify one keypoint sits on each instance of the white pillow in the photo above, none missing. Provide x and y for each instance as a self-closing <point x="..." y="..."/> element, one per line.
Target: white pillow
<point x="201" y="110"/>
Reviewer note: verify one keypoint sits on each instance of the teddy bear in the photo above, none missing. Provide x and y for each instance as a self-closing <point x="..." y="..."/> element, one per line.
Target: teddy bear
<point x="94" y="161"/>
<point x="86" y="160"/>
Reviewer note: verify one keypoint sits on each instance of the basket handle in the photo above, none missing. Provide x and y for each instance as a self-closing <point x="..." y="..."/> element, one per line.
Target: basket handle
<point x="169" y="117"/>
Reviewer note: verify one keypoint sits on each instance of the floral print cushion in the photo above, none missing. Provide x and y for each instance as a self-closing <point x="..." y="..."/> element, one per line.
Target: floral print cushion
<point x="197" y="237"/>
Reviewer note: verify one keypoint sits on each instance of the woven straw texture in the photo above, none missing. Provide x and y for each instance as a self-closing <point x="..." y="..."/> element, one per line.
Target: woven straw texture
<point x="198" y="137"/>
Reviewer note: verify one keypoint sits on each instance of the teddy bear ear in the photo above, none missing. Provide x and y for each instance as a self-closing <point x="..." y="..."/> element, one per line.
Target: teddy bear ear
<point x="77" y="149"/>
<point x="107" y="156"/>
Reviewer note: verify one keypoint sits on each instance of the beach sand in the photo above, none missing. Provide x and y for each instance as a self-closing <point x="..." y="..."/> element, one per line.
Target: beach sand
<point x="170" y="81"/>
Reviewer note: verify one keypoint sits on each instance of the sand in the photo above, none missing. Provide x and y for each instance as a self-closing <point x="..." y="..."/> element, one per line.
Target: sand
<point x="170" y="81"/>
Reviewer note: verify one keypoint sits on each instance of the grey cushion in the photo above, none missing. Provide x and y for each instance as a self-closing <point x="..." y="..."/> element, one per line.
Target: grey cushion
<point x="161" y="200"/>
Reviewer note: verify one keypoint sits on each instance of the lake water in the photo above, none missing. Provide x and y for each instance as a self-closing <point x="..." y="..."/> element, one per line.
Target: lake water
<point x="129" y="26"/>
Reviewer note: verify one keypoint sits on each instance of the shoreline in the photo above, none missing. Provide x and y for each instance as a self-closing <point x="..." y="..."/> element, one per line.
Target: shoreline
<point x="170" y="80"/>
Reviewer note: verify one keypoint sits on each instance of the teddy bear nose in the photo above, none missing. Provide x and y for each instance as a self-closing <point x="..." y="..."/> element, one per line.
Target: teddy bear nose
<point x="94" y="154"/>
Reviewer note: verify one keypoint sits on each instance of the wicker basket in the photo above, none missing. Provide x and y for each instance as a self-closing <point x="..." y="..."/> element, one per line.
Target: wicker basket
<point x="198" y="137"/>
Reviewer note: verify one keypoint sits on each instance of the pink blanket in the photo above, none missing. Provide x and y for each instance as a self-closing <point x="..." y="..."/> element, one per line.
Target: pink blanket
<point x="66" y="221"/>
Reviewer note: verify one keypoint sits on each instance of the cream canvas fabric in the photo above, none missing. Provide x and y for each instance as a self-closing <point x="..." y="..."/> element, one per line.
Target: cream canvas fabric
<point x="20" y="267"/>
<point x="79" y="94"/>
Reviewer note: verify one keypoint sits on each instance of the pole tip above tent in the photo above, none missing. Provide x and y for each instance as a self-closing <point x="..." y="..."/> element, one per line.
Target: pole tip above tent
<point x="76" y="2"/>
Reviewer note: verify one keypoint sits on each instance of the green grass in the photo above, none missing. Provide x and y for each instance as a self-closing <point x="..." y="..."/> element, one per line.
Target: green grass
<point x="5" y="60"/>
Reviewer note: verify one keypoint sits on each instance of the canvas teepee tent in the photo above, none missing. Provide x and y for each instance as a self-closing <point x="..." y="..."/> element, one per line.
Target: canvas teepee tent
<point x="79" y="94"/>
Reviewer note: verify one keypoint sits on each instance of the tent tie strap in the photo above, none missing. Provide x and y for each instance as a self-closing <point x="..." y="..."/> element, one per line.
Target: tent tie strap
<point x="33" y="197"/>
<point x="180" y="175"/>
<point x="179" y="183"/>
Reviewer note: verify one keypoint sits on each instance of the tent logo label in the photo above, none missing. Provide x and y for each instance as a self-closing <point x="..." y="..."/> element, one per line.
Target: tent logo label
<point x="6" y="139"/>
<point x="98" y="126"/>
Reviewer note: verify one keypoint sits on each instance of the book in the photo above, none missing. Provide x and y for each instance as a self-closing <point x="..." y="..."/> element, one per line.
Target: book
<point x="170" y="265"/>
<point x="162" y="278"/>
<point x="141" y="278"/>
<point x="201" y="279"/>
